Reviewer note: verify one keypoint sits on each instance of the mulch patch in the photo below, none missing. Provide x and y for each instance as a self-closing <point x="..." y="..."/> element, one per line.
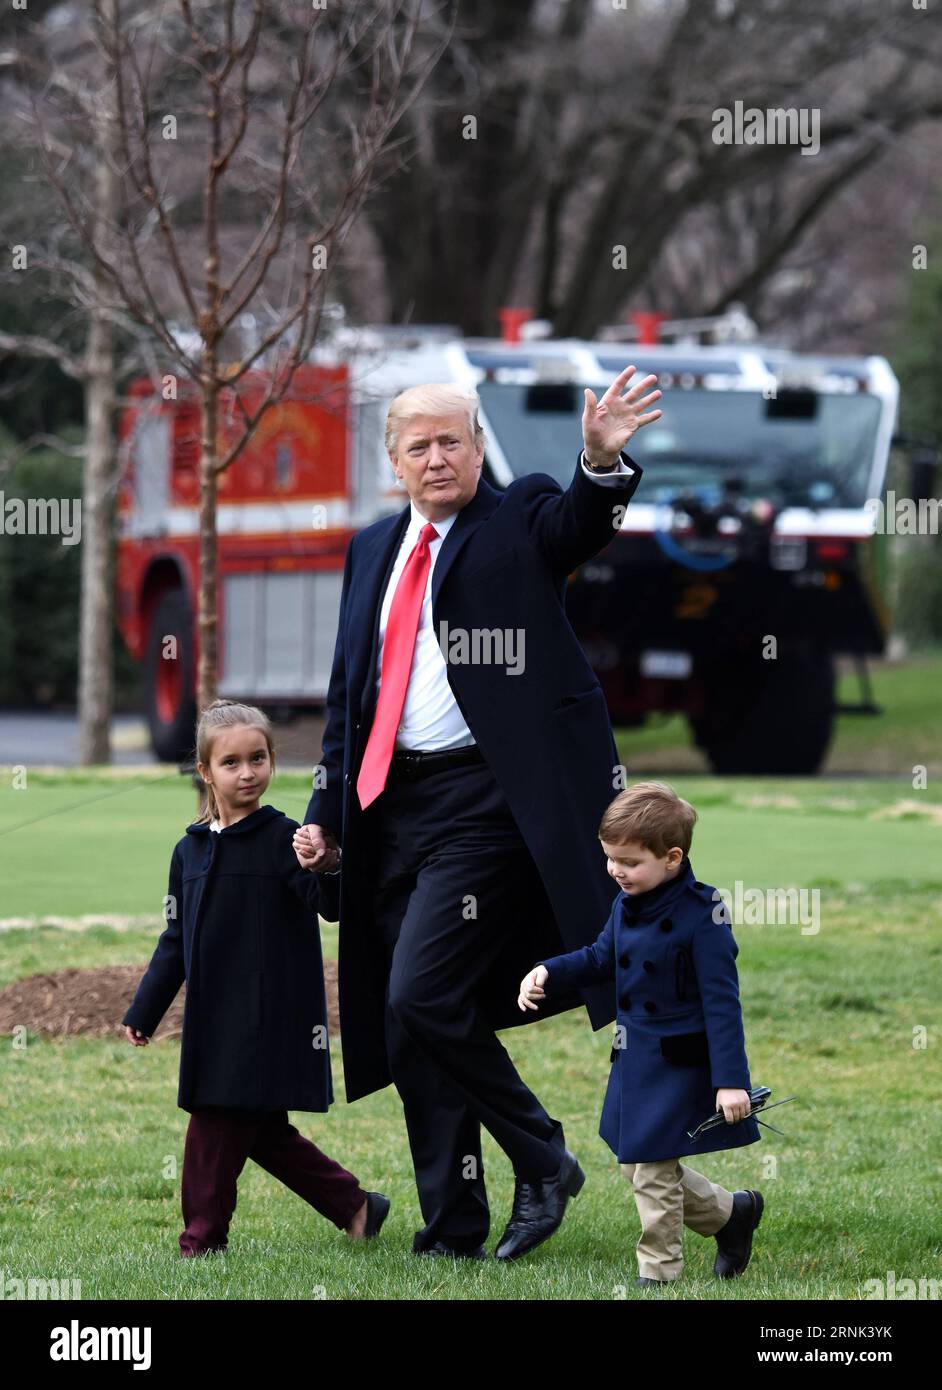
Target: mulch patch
<point x="91" y="1003"/>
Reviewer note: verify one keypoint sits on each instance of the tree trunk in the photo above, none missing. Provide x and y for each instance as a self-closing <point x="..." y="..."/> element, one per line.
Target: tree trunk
<point x="208" y="668"/>
<point x="96" y="678"/>
<point x="96" y="668"/>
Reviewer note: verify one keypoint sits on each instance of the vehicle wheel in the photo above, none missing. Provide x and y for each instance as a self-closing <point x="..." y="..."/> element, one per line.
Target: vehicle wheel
<point x="768" y="717"/>
<point x="171" y="705"/>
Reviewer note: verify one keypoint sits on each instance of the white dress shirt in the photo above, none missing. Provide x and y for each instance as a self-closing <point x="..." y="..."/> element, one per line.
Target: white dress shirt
<point x="431" y="719"/>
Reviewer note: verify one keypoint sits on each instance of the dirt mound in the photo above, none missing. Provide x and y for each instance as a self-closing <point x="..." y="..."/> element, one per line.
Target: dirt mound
<point x="93" y="1002"/>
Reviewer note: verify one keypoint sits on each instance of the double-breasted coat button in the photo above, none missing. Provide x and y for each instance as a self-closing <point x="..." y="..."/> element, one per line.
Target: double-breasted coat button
<point x="626" y="1001"/>
<point x="649" y="966"/>
<point x="624" y="960"/>
<point x="666" y="924"/>
<point x="650" y="1006"/>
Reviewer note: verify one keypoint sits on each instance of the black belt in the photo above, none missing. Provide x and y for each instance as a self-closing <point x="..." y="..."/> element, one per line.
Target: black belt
<point x="412" y="764"/>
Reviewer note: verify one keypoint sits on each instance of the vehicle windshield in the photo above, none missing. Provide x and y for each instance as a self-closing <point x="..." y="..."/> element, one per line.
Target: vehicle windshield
<point x="801" y="450"/>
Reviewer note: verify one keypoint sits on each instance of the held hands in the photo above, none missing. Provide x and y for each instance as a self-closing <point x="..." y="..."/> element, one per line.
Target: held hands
<point x="608" y="424"/>
<point x="531" y="988"/>
<point x="317" y="852"/>
<point x="735" y="1104"/>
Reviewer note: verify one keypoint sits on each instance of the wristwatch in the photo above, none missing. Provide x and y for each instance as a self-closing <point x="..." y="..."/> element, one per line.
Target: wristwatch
<point x="594" y="469"/>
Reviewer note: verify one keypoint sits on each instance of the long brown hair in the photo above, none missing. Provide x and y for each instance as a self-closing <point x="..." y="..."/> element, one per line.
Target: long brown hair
<point x="225" y="714"/>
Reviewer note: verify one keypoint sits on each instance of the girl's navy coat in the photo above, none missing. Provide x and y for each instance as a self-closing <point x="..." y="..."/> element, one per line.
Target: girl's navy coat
<point x="242" y="931"/>
<point x="680" y="1022"/>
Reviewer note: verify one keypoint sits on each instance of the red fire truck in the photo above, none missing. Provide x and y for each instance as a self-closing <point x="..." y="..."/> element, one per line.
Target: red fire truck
<point x="755" y="518"/>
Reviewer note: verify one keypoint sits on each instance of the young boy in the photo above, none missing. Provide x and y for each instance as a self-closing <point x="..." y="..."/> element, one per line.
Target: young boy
<point x="679" y="1051"/>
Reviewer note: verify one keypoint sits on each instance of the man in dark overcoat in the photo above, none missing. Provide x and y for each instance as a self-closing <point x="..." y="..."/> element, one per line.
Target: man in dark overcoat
<point x="467" y="760"/>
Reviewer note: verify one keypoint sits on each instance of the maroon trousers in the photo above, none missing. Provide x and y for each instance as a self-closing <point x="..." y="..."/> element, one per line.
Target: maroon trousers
<point x="219" y="1140"/>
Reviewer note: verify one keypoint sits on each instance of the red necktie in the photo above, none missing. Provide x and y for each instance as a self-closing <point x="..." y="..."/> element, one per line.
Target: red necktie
<point x="398" y="649"/>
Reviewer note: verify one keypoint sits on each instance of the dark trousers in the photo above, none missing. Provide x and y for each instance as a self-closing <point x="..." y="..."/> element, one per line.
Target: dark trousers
<point x="450" y="853"/>
<point x="219" y="1140"/>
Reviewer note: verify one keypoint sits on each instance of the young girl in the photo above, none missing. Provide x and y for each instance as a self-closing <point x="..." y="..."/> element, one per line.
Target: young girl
<point x="242" y="931"/>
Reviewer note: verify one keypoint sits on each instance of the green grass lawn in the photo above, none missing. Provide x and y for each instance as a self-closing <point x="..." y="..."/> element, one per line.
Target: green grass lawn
<point x="92" y="1140"/>
<point x="907" y="732"/>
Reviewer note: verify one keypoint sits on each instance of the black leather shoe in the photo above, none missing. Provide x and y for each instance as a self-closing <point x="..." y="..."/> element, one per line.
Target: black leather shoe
<point x="539" y="1208"/>
<point x="439" y="1248"/>
<point x="735" y="1238"/>
<point x="642" y="1281"/>
<point x="377" y="1209"/>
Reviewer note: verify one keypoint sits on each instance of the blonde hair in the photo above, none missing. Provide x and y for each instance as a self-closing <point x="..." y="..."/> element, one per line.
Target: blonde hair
<point x="225" y="714"/>
<point x="437" y="398"/>
<point x="650" y="814"/>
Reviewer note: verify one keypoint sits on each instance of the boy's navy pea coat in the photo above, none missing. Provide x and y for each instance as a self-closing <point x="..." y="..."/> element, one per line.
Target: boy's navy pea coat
<point x="244" y="935"/>
<point x="679" y="1019"/>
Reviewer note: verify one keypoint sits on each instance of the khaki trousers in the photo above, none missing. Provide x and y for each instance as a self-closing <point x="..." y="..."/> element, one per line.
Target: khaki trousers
<point x="670" y="1196"/>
